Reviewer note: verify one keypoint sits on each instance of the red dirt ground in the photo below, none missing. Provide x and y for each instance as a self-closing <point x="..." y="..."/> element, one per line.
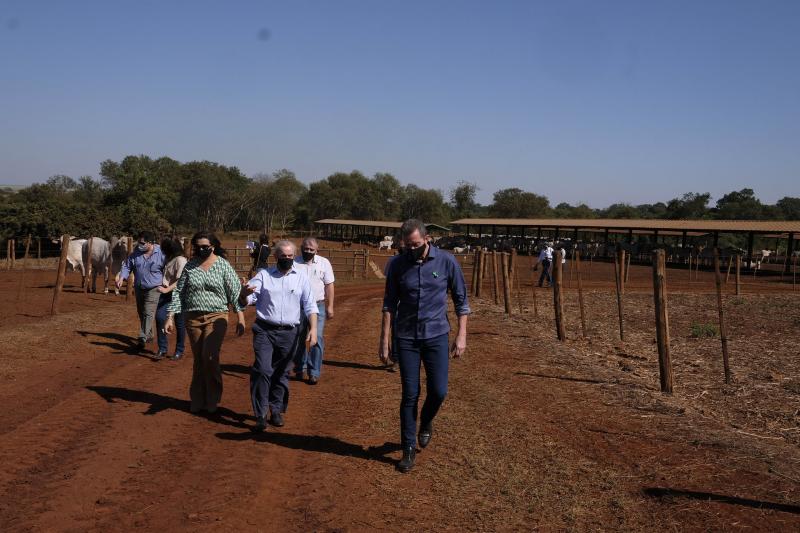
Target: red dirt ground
<point x="535" y="434"/>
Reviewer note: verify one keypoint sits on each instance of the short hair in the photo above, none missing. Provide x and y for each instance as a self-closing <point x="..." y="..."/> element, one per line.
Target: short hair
<point x="263" y="239"/>
<point x="309" y="240"/>
<point x="283" y="243"/>
<point x="411" y="225"/>
<point x="148" y="236"/>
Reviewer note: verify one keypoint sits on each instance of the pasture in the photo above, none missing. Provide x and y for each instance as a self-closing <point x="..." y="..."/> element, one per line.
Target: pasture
<point x="536" y="433"/>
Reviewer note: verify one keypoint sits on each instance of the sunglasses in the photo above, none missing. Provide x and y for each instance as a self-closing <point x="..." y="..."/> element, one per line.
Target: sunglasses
<point x="204" y="247"/>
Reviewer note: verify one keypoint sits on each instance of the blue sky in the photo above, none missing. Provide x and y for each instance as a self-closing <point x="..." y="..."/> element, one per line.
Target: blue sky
<point x="593" y="101"/>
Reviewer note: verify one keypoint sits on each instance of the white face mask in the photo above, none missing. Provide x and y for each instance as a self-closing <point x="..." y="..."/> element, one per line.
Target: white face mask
<point x="142" y="247"/>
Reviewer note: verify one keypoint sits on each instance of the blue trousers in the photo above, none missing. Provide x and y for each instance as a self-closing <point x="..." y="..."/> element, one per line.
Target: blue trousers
<point x="161" y="319"/>
<point x="433" y="353"/>
<point x="311" y="360"/>
<point x="545" y="272"/>
<point x="269" y="376"/>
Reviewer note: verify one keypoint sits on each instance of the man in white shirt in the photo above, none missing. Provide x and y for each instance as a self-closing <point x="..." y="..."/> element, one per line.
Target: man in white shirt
<point x="320" y="273"/>
<point x="545" y="260"/>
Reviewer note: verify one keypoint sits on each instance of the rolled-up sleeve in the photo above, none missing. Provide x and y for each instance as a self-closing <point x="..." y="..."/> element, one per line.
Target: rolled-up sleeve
<point x="307" y="297"/>
<point x="458" y="288"/>
<point x="232" y="288"/>
<point x="127" y="266"/>
<point x="390" y="294"/>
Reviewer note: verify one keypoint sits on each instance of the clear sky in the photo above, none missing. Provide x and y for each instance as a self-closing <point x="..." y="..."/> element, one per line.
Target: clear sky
<point x="597" y="101"/>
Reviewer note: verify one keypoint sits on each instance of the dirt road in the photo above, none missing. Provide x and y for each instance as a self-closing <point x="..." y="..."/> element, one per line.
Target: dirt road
<point x="533" y="434"/>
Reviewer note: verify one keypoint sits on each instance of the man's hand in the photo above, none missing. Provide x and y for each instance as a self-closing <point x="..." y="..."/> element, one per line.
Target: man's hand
<point x="118" y="282"/>
<point x="163" y="290"/>
<point x="169" y="327"/>
<point x="384" y="351"/>
<point x="246" y="289"/>
<point x="329" y="313"/>
<point x="311" y="337"/>
<point x="459" y="347"/>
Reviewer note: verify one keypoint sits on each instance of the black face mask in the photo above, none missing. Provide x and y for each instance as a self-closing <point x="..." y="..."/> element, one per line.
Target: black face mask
<point x="308" y="256"/>
<point x="285" y="263"/>
<point x="204" y="253"/>
<point x="415" y="254"/>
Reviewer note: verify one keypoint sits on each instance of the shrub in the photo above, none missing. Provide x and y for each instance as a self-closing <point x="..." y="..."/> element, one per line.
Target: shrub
<point x="703" y="330"/>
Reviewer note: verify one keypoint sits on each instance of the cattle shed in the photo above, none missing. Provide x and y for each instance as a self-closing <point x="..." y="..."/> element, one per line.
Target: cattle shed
<point x="572" y="227"/>
<point x="354" y="229"/>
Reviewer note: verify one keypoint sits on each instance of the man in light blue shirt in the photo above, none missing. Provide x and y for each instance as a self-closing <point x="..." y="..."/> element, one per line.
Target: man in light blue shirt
<point x="282" y="295"/>
<point x="146" y="263"/>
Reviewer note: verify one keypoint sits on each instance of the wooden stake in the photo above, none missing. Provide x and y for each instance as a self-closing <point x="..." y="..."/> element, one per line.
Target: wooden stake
<point x="627" y="268"/>
<point x="495" y="279"/>
<point x="558" y="304"/>
<point x="738" y="275"/>
<point x="13" y="253"/>
<point x="794" y="272"/>
<point x="723" y="337"/>
<point x="515" y="281"/>
<point x="662" y="320"/>
<point x="88" y="266"/>
<point x="570" y="267"/>
<point x="62" y="269"/>
<point x="728" y="274"/>
<point x="533" y="296"/>
<point x="481" y="261"/>
<point x="580" y="292"/>
<point x="619" y="263"/>
<point x="473" y="288"/>
<point x="39" y="253"/>
<point x="504" y="259"/>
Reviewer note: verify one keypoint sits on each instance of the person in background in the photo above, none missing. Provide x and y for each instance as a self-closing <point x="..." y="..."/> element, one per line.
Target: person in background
<point x="282" y="295"/>
<point x="415" y="305"/>
<point x="173" y="268"/>
<point x="320" y="274"/>
<point x="546" y="261"/>
<point x="206" y="289"/>
<point x="146" y="263"/>
<point x="260" y="255"/>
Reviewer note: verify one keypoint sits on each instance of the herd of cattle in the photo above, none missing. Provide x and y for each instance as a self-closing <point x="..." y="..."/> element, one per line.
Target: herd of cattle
<point x="106" y="258"/>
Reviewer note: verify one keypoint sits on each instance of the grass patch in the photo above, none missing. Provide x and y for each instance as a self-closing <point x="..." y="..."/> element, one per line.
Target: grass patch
<point x="700" y="330"/>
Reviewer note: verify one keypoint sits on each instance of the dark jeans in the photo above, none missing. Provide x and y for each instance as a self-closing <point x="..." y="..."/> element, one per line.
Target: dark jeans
<point x="269" y="376"/>
<point x="433" y="353"/>
<point x="545" y="263"/>
<point x="161" y="319"/>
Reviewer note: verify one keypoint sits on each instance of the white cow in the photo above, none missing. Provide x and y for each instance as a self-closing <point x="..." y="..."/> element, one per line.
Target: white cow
<point x="386" y="243"/>
<point x="75" y="255"/>
<point x="119" y="253"/>
<point x="100" y="260"/>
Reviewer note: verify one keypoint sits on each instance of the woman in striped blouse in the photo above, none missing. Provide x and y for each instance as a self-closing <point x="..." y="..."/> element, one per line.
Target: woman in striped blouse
<point x="207" y="286"/>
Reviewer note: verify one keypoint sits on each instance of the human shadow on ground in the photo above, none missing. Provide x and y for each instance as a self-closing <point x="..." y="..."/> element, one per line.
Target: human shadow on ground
<point x="125" y="344"/>
<point x="665" y="493"/>
<point x="564" y="378"/>
<point x="233" y="368"/>
<point x="317" y="443"/>
<point x="350" y="364"/>
<point x="159" y="402"/>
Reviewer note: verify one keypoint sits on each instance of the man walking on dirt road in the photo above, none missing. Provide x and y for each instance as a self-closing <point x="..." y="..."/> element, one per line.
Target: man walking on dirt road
<point x="282" y="295"/>
<point x="146" y="263"/>
<point x="320" y="274"/>
<point x="415" y="305"/>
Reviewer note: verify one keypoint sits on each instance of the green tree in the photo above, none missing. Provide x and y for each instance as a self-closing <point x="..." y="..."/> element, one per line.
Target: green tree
<point x="425" y="204"/>
<point x="740" y="205"/>
<point x="691" y="205"/>
<point x="789" y="208"/>
<point x="516" y="203"/>
<point x="462" y="200"/>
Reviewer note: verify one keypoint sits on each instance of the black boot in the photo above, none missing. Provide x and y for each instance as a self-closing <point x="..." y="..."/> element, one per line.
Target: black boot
<point x="407" y="462"/>
<point x="425" y="434"/>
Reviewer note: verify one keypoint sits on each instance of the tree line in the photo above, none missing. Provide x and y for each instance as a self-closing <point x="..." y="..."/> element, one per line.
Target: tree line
<point x="167" y="196"/>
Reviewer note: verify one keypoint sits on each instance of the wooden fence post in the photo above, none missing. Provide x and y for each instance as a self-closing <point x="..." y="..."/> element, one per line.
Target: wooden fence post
<point x="495" y="280"/>
<point x="366" y="263"/>
<point x="14" y="253"/>
<point x="131" y="277"/>
<point x="794" y="272"/>
<point x="577" y="260"/>
<point x="619" y="265"/>
<point x="506" y="284"/>
<point x="723" y="337"/>
<point x="39" y="252"/>
<point x="62" y="269"/>
<point x="662" y="320"/>
<point x="558" y="304"/>
<point x="481" y="260"/>
<point x="473" y="288"/>
<point x="738" y="275"/>
<point x="627" y="268"/>
<point x="728" y="274"/>
<point x="88" y="266"/>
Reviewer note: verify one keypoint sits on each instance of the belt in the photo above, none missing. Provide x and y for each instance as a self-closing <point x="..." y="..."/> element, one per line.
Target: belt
<point x="268" y="325"/>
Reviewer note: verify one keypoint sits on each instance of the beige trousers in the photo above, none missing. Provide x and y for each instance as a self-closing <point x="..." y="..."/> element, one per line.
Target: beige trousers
<point x="206" y="332"/>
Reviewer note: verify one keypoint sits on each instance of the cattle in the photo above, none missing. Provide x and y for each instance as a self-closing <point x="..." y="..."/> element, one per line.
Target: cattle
<point x="119" y="253"/>
<point x="75" y="256"/>
<point x="386" y="243"/>
<point x="100" y="261"/>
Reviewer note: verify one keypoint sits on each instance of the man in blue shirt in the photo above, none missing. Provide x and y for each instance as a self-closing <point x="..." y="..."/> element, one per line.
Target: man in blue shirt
<point x="415" y="305"/>
<point x="146" y="263"/>
<point x="282" y="295"/>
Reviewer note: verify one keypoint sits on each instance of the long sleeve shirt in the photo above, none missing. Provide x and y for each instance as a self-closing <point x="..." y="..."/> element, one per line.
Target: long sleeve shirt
<point x="281" y="299"/>
<point x="147" y="270"/>
<point x="416" y="293"/>
<point x="209" y="292"/>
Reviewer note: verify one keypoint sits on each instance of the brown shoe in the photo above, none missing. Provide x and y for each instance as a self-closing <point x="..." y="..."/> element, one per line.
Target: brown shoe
<point x="312" y="380"/>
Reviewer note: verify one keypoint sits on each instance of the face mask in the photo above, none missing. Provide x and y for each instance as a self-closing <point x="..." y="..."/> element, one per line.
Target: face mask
<point x="416" y="253"/>
<point x="308" y="256"/>
<point x="204" y="253"/>
<point x="142" y="247"/>
<point x="285" y="263"/>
